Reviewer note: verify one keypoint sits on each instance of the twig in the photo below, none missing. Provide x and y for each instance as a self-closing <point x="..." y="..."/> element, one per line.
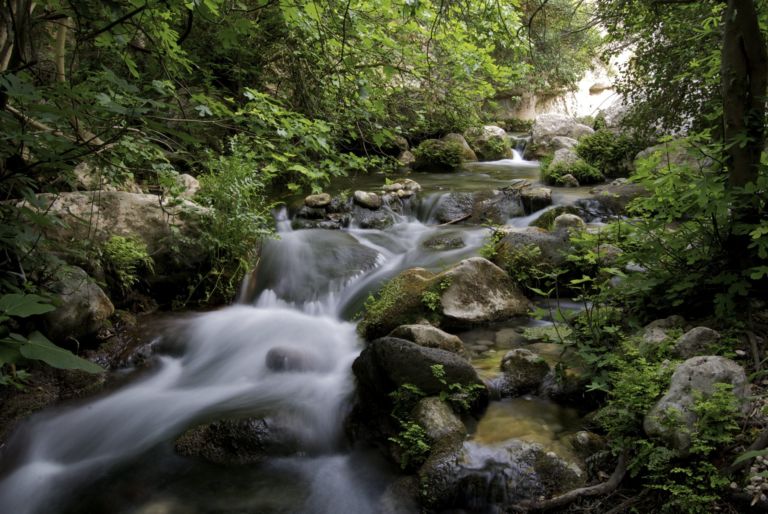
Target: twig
<point x="456" y="220"/>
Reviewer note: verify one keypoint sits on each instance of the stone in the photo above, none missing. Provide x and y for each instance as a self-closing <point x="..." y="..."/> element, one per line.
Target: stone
<point x="379" y="219"/>
<point x="553" y="246"/>
<point x="489" y="143"/>
<point x="318" y="200"/>
<point x="444" y="241"/>
<point x="615" y="196"/>
<point x="430" y="337"/>
<point x="368" y="200"/>
<point x="599" y="86"/>
<point x="560" y="142"/>
<point x="479" y="292"/>
<point x="586" y="444"/>
<point x="655" y="332"/>
<point x="189" y="184"/>
<point x="454" y="206"/>
<point x="406" y="159"/>
<point x="509" y="338"/>
<point x="495" y="207"/>
<point x="88" y="178"/>
<point x="547" y="218"/>
<point x="466" y="151"/>
<point x="411" y="185"/>
<point x="564" y="156"/>
<point x="523" y="370"/>
<point x="535" y="198"/>
<point x="389" y="362"/>
<point x="567" y="222"/>
<point x="697" y="341"/>
<point x="693" y="378"/>
<point x="568" y="180"/>
<point x="548" y="126"/>
<point x="84" y="309"/>
<point x="438" y="420"/>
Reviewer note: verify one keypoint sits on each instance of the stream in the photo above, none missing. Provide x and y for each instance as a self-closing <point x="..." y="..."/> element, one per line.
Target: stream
<point x="115" y="454"/>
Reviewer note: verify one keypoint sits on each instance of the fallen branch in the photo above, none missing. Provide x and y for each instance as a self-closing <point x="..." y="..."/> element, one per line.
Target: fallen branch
<point x="571" y="496"/>
<point x="456" y="220"/>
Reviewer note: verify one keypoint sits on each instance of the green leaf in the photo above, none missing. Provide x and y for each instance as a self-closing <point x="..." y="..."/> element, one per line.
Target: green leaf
<point x="9" y="352"/>
<point x="750" y="455"/>
<point x="25" y="305"/>
<point x="40" y="348"/>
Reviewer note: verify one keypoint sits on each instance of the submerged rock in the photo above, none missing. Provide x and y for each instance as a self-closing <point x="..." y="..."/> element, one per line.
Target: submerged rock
<point x="673" y="418"/>
<point x="535" y="198"/>
<point x="523" y="371"/>
<point x="444" y="241"/>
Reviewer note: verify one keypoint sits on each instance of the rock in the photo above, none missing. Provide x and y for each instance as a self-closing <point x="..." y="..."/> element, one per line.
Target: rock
<point x="189" y="184"/>
<point x="608" y="253"/>
<point x="674" y="154"/>
<point x="496" y="207"/>
<point x="509" y="338"/>
<point x="565" y="156"/>
<point x="547" y="217"/>
<point x="454" y="206"/>
<point x="523" y="372"/>
<point x="466" y="151"/>
<point x="655" y="332"/>
<point x="548" y="126"/>
<point x="430" y="337"/>
<point x="438" y="154"/>
<point x="568" y="180"/>
<point x="480" y="292"/>
<point x="553" y="246"/>
<point x="489" y="143"/>
<point x="567" y="222"/>
<point x="236" y="442"/>
<point x="400" y="497"/>
<point x="411" y="185"/>
<point x="379" y="219"/>
<point x="444" y="241"/>
<point x="599" y="86"/>
<point x="438" y="420"/>
<point x="535" y="198"/>
<point x="406" y="159"/>
<point x="84" y="309"/>
<point x="88" y="178"/>
<point x="697" y="341"/>
<point x="282" y="358"/>
<point x="368" y="200"/>
<point x="401" y="143"/>
<point x="694" y="377"/>
<point x="389" y="362"/>
<point x="319" y="200"/>
<point x="560" y="142"/>
<point x="586" y="444"/>
<point x="615" y="197"/>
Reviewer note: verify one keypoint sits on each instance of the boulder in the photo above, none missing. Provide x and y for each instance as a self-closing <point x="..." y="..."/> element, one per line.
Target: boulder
<point x="236" y="442"/>
<point x="286" y="358"/>
<point x="567" y="222"/>
<point x="438" y="420"/>
<point x="430" y="337"/>
<point x="406" y="159"/>
<point x="467" y="153"/>
<point x="495" y="207"/>
<point x="318" y="200"/>
<point x="84" y="308"/>
<point x="697" y="341"/>
<point x="548" y="126"/>
<point x="454" y="206"/>
<point x="479" y="292"/>
<point x="553" y="246"/>
<point x="655" y="332"/>
<point x="562" y="142"/>
<point x="189" y="185"/>
<point x="88" y="178"/>
<point x="535" y="198"/>
<point x="523" y="371"/>
<point x="568" y="180"/>
<point x="565" y="156"/>
<point x="489" y="143"/>
<point x="379" y="219"/>
<point x="672" y="418"/>
<point x="438" y="154"/>
<point x="444" y="241"/>
<point x="389" y="362"/>
<point x="615" y="196"/>
<point x="368" y="200"/>
<point x="547" y="218"/>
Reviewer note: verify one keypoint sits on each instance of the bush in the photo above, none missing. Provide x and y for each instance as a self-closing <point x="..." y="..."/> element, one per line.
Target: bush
<point x="608" y="152"/>
<point x="584" y="172"/>
<point x="124" y="258"/>
<point x="435" y="153"/>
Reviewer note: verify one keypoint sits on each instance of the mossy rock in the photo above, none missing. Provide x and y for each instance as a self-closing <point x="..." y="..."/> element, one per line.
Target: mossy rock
<point x="438" y="154"/>
<point x="584" y="172"/>
<point x="547" y="218"/>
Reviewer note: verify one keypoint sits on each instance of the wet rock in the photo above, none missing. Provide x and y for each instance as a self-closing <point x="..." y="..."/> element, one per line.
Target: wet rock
<point x="586" y="444"/>
<point x="406" y="159"/>
<point x="308" y="212"/>
<point x="547" y="218"/>
<point x="454" y="206"/>
<point x="696" y="377"/>
<point x="697" y="341"/>
<point x="400" y="497"/>
<point x="367" y="218"/>
<point x="614" y="197"/>
<point x="496" y="207"/>
<point x="553" y="246"/>
<point x="411" y="185"/>
<point x="446" y="241"/>
<point x="566" y="385"/>
<point x="548" y="126"/>
<point x="367" y="200"/>
<point x="509" y="338"/>
<point x="568" y="222"/>
<point x="558" y="142"/>
<point x="466" y="151"/>
<point x="438" y="420"/>
<point x="236" y="442"/>
<point x="479" y="292"/>
<point x="84" y="309"/>
<point x="535" y="198"/>
<point x="568" y="180"/>
<point x="523" y="370"/>
<point x="430" y="337"/>
<point x="284" y="358"/>
<point x="389" y="362"/>
<point x="318" y="200"/>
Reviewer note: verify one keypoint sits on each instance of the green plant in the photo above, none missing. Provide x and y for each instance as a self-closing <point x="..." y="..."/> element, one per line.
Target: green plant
<point x="584" y="172"/>
<point x="436" y="153"/>
<point x="411" y="439"/>
<point x="610" y="153"/>
<point x="431" y="297"/>
<point x="459" y="396"/>
<point x="125" y="258"/>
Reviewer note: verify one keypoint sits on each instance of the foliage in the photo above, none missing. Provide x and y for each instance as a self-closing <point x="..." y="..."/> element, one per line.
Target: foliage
<point x="125" y="258"/>
<point x="460" y="396"/>
<point x="610" y="153"/>
<point x="438" y="154"/>
<point x="584" y="172"/>
<point x="431" y="297"/>
<point x="412" y="439"/>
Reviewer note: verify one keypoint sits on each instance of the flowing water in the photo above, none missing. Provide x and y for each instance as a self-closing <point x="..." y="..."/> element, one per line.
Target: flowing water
<point x="115" y="453"/>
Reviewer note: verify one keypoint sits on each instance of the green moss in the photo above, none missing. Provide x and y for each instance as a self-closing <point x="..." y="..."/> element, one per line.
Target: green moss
<point x="584" y="172"/>
<point x="436" y="153"/>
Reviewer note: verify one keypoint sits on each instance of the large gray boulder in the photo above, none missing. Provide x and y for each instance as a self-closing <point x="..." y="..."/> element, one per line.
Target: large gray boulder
<point x="84" y="308"/>
<point x="454" y="206"/>
<point x="478" y="292"/>
<point x="614" y="197"/>
<point x="430" y="337"/>
<point x="548" y="126"/>
<point x="387" y="363"/>
<point x="535" y="198"/>
<point x="697" y="341"/>
<point x="489" y="143"/>
<point x="673" y="418"/>
<point x="553" y="246"/>
<point x="467" y="153"/>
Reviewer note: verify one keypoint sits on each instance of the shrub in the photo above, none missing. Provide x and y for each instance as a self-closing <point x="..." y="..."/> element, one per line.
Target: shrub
<point x="608" y="152"/>
<point x="584" y="172"/>
<point x="435" y="153"/>
<point x="124" y="258"/>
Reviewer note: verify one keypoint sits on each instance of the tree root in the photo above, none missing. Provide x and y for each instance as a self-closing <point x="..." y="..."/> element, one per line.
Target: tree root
<point x="571" y="496"/>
